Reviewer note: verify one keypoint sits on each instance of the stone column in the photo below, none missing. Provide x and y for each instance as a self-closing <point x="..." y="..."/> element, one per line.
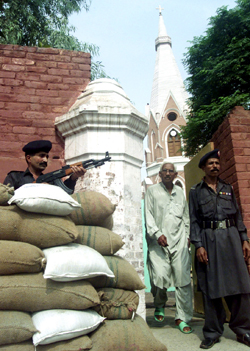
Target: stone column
<point x="103" y="119"/>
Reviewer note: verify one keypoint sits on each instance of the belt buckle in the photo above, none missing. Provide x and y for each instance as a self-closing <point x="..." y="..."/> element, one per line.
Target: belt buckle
<point x="222" y="225"/>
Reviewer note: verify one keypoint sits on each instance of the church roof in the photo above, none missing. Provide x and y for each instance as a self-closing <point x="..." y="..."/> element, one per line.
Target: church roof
<point x="167" y="77"/>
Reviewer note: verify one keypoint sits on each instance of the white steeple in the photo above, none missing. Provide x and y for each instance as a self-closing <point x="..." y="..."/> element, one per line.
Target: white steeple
<point x="167" y="78"/>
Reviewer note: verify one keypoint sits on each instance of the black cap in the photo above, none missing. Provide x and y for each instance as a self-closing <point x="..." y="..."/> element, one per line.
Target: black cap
<point x="212" y="154"/>
<point x="37" y="145"/>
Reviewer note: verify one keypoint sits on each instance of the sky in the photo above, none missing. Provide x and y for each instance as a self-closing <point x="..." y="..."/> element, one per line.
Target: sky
<point x="125" y="31"/>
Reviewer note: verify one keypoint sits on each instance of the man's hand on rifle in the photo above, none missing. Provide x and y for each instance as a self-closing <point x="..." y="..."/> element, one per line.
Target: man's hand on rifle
<point x="78" y="171"/>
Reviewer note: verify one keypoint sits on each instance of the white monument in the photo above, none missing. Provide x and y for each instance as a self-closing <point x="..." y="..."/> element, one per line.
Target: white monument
<point x="103" y="119"/>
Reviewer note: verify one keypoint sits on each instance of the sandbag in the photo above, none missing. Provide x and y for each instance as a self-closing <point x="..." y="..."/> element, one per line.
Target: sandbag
<point x="101" y="239"/>
<point x="44" y="198"/>
<point x="58" y="325"/>
<point x="6" y="193"/>
<point x="117" y="303"/>
<point x="22" y="346"/>
<point x="117" y="335"/>
<point x="18" y="257"/>
<point x="74" y="262"/>
<point x="31" y="293"/>
<point x="95" y="209"/>
<point x="40" y="230"/>
<point x="76" y="344"/>
<point x="126" y="276"/>
<point x="15" y="326"/>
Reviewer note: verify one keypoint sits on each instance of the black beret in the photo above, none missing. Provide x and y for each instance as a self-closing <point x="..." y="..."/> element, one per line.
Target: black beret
<point x="212" y="154"/>
<point x="36" y="146"/>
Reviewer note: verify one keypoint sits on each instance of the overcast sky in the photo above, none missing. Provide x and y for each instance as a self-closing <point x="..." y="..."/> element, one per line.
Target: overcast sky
<point x="125" y="31"/>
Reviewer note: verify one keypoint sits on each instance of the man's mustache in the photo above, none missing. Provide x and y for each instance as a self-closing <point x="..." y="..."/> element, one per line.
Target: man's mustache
<point x="215" y="169"/>
<point x="43" y="164"/>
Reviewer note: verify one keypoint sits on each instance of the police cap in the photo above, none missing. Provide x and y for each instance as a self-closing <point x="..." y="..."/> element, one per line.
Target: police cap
<point x="212" y="154"/>
<point x="37" y="145"/>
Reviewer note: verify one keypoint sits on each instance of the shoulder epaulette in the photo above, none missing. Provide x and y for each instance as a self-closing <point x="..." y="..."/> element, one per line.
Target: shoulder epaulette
<point x="194" y="186"/>
<point x="15" y="172"/>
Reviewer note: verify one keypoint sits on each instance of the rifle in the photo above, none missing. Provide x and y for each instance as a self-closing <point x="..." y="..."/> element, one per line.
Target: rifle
<point x="55" y="176"/>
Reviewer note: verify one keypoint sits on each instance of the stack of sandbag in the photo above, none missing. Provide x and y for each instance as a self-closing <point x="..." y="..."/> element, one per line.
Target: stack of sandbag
<point x="83" y="283"/>
<point x="30" y="305"/>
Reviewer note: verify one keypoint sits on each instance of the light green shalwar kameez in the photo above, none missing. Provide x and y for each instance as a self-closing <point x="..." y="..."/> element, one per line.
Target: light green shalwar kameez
<point x="167" y="214"/>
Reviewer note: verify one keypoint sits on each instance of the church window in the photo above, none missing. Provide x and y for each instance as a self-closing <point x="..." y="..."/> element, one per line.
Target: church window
<point x="174" y="143"/>
<point x="172" y="116"/>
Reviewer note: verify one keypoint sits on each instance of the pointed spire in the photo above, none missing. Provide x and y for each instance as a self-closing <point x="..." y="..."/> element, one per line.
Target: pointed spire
<point x="162" y="38"/>
<point x="167" y="78"/>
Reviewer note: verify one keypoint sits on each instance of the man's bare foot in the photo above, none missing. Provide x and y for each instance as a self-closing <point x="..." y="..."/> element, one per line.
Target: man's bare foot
<point x="159" y="314"/>
<point x="184" y="327"/>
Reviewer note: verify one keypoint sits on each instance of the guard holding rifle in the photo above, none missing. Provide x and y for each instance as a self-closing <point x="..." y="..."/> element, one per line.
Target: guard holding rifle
<point x="222" y="253"/>
<point x="36" y="155"/>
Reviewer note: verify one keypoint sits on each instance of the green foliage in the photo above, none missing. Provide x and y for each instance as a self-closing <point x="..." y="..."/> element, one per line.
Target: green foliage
<point x="44" y="23"/>
<point x="218" y="64"/>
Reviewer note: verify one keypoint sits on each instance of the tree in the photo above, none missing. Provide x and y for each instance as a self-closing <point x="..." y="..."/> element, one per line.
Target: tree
<point x="45" y="24"/>
<point x="218" y="65"/>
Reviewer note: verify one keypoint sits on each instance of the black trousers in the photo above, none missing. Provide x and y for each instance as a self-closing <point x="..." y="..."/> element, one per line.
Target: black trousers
<point x="215" y="315"/>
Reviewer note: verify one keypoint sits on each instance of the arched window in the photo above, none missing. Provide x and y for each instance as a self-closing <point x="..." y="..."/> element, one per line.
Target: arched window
<point x="174" y="143"/>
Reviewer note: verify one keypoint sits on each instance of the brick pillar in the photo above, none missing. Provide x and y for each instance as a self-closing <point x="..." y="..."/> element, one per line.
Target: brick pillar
<point x="232" y="138"/>
<point x="103" y="119"/>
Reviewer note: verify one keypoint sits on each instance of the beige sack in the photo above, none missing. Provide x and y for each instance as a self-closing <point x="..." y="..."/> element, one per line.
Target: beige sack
<point x="18" y="257"/>
<point x="77" y="344"/>
<point x="119" y="335"/>
<point x="117" y="303"/>
<point x="15" y="326"/>
<point x="22" y="346"/>
<point x="101" y="239"/>
<point x="41" y="230"/>
<point x="126" y="276"/>
<point x="31" y="293"/>
<point x="95" y="210"/>
<point x="6" y="193"/>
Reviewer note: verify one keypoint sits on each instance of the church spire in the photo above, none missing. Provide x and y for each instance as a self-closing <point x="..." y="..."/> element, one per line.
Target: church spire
<point x="167" y="78"/>
<point x="162" y="33"/>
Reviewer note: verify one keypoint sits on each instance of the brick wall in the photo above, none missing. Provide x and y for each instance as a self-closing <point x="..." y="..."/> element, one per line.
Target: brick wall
<point x="36" y="86"/>
<point x="233" y="140"/>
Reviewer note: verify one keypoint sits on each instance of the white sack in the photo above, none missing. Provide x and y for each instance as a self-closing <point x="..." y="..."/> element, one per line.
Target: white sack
<point x="44" y="198"/>
<point x="57" y="325"/>
<point x="74" y="262"/>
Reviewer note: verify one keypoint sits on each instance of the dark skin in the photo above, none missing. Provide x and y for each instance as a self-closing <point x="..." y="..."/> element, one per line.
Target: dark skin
<point x="38" y="162"/>
<point x="167" y="175"/>
<point x="212" y="169"/>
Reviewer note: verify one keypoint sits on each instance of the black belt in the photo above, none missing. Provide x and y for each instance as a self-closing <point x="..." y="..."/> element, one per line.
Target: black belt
<point x="226" y="223"/>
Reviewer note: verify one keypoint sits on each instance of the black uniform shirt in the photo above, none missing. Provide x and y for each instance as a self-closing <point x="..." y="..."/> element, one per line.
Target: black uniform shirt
<point x="19" y="178"/>
<point x="206" y="205"/>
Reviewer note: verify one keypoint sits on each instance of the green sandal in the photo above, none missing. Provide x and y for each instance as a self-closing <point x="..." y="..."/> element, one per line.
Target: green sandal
<point x="159" y="311"/>
<point x="183" y="325"/>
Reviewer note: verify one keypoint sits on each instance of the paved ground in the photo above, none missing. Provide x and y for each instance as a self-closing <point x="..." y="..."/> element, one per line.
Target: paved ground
<point x="177" y="341"/>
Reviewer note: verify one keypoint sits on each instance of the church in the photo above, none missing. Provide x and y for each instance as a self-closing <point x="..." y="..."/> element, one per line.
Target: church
<point x="166" y="112"/>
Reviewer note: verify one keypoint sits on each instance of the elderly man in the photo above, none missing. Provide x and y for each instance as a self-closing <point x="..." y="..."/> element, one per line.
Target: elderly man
<point x="37" y="155"/>
<point x="222" y="253"/>
<point x="167" y="233"/>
